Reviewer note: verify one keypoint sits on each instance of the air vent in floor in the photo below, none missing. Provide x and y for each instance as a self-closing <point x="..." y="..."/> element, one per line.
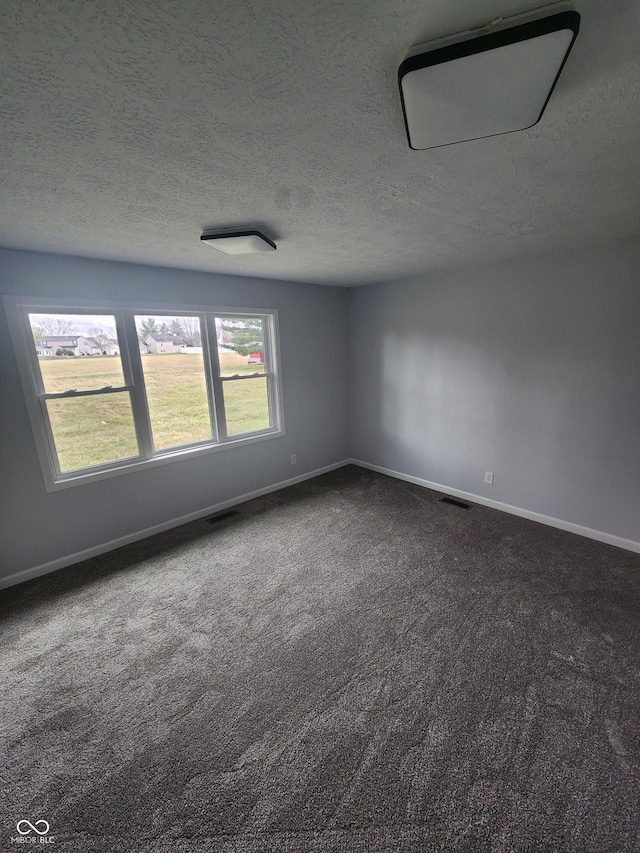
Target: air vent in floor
<point x="221" y="516"/>
<point x="455" y="502"/>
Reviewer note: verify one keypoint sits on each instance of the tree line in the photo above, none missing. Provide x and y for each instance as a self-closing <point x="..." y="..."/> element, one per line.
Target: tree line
<point x="186" y="328"/>
<point x="244" y="335"/>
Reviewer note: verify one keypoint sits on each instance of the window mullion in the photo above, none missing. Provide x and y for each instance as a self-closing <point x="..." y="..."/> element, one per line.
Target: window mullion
<point x="208" y="373"/>
<point x="132" y="366"/>
<point x="216" y="383"/>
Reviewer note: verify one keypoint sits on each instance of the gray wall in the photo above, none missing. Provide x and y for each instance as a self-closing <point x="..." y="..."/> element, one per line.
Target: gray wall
<point x="528" y="368"/>
<point x="37" y="527"/>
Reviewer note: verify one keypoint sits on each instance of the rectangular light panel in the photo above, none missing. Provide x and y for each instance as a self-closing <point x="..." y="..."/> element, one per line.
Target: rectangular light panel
<point x="239" y="243"/>
<point x="464" y="88"/>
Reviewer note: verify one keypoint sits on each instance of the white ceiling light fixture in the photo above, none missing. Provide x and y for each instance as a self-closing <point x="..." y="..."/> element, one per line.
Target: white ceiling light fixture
<point x="238" y="242"/>
<point x="485" y="82"/>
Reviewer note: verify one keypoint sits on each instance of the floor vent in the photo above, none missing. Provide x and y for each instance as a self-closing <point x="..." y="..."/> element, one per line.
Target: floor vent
<point x="221" y="516"/>
<point x="455" y="502"/>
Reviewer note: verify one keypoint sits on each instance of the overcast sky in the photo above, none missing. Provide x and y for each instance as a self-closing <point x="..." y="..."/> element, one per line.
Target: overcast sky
<point x="82" y="323"/>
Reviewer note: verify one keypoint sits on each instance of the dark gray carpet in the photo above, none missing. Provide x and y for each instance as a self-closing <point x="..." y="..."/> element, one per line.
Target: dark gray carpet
<point x="346" y="665"/>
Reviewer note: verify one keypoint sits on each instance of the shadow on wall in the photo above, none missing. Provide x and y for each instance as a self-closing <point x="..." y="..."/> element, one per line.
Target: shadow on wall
<point x="441" y="399"/>
<point x="537" y="405"/>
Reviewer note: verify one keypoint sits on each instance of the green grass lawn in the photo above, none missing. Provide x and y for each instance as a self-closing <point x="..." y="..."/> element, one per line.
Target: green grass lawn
<point x="96" y="430"/>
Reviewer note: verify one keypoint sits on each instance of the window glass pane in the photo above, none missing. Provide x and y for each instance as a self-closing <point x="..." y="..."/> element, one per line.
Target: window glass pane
<point x="77" y="352"/>
<point x="92" y="430"/>
<point x="163" y="334"/>
<point x="175" y="380"/>
<point x="240" y="345"/>
<point x="246" y="406"/>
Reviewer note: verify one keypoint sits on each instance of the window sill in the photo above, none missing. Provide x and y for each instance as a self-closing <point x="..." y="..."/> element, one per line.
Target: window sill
<point x="82" y="478"/>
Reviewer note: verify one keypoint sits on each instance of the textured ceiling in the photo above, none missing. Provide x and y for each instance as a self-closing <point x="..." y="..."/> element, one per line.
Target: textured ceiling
<point x="128" y="127"/>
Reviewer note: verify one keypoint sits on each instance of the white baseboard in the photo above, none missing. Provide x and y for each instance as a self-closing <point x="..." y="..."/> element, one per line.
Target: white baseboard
<point x="598" y="535"/>
<point x="96" y="550"/>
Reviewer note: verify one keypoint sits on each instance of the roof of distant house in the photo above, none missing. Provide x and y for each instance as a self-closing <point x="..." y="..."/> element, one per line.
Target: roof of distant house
<point x="173" y="339"/>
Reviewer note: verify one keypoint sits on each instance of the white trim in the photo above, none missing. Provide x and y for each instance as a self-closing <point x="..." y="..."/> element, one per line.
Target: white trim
<point x="569" y="526"/>
<point x="112" y="544"/>
<point x="18" y="308"/>
<point x="173" y="454"/>
<point x="106" y="306"/>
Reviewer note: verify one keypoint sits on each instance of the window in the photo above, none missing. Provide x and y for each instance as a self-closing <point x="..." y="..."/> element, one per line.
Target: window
<point x="112" y="388"/>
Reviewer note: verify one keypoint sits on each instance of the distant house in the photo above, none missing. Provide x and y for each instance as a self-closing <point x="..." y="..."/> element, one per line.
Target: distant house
<point x="89" y="346"/>
<point x="77" y="344"/>
<point x="163" y="343"/>
<point x="224" y="338"/>
<point x="49" y="346"/>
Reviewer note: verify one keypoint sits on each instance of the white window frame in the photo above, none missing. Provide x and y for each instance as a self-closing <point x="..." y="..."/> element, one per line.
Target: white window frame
<point x="18" y="308"/>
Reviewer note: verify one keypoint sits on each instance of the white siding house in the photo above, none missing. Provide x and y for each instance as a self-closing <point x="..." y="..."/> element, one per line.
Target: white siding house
<point x="163" y="343"/>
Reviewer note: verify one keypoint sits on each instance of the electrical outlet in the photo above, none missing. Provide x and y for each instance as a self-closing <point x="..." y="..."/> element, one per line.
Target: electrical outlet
<point x="293" y="459"/>
<point x="488" y="478"/>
